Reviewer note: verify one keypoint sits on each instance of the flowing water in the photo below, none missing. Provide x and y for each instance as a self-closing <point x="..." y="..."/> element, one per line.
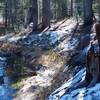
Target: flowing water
<point x="6" y="92"/>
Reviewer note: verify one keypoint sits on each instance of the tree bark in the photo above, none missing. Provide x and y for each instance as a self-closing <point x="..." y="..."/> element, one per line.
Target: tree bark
<point x="71" y="7"/>
<point x="46" y="13"/>
<point x="88" y="12"/>
<point x="32" y="15"/>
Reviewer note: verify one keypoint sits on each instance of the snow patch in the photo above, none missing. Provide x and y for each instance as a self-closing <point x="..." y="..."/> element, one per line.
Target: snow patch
<point x="92" y="93"/>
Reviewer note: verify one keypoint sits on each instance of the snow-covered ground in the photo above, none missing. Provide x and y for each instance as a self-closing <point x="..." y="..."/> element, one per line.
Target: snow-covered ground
<point x="73" y="81"/>
<point x="62" y="41"/>
<point x="92" y="93"/>
<point x="61" y="93"/>
<point x="60" y="37"/>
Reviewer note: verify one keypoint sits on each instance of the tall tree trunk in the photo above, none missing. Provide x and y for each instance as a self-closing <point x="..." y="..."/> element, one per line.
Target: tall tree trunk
<point x="5" y="15"/>
<point x="46" y="14"/>
<point x="9" y="13"/>
<point x="64" y="9"/>
<point x="71" y="7"/>
<point x="35" y="13"/>
<point x="32" y="15"/>
<point x="88" y="13"/>
<point x="98" y="1"/>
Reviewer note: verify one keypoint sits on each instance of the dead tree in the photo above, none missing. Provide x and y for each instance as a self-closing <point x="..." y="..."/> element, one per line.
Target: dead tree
<point x="92" y="67"/>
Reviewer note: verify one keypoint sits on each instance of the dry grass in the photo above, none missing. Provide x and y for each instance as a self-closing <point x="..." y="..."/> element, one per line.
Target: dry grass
<point x="11" y="48"/>
<point x="51" y="58"/>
